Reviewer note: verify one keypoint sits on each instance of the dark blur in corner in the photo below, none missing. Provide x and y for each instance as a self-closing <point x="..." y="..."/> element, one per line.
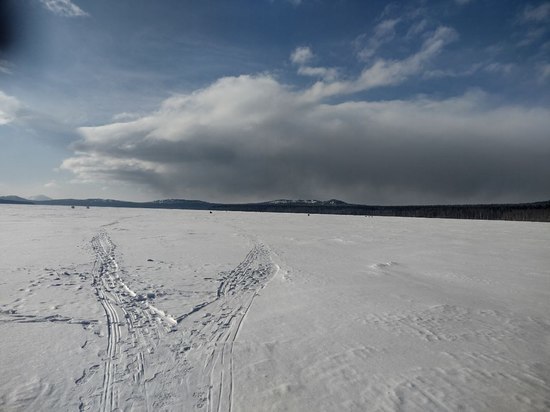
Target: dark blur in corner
<point x="7" y="35"/>
<point x="9" y="26"/>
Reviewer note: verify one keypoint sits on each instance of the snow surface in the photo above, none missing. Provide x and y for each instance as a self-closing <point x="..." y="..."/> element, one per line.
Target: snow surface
<point x="129" y="309"/>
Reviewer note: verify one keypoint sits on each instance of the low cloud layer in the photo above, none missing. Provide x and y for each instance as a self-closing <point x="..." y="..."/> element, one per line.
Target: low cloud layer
<point x="252" y="138"/>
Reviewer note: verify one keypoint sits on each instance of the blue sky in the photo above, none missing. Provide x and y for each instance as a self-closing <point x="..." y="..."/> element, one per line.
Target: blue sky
<point x="371" y="102"/>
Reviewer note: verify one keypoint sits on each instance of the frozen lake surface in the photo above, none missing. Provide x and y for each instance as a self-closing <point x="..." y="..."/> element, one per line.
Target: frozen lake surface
<point x="130" y="309"/>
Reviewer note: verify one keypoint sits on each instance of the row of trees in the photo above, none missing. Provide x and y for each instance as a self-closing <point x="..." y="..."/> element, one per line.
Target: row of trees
<point x="539" y="212"/>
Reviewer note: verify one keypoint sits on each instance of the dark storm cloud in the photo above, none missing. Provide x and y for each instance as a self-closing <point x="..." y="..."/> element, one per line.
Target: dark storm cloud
<point x="251" y="138"/>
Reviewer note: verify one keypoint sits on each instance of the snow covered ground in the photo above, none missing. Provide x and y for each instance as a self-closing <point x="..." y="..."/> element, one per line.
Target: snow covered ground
<point x="108" y="309"/>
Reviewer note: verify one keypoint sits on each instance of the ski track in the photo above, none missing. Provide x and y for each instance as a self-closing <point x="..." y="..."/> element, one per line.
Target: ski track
<point x="124" y="358"/>
<point x="213" y="326"/>
<point x="209" y="330"/>
<point x="206" y="334"/>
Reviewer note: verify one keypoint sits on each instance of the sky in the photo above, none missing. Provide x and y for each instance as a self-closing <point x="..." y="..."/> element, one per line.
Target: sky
<point x="373" y="102"/>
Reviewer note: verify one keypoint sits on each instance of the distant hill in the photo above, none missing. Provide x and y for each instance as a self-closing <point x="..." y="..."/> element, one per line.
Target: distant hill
<point x="536" y="211"/>
<point x="14" y="200"/>
<point x="88" y="202"/>
<point x="287" y="202"/>
<point x="156" y="204"/>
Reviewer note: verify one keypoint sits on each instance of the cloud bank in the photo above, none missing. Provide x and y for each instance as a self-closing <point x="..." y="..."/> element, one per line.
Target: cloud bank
<point x="252" y="138"/>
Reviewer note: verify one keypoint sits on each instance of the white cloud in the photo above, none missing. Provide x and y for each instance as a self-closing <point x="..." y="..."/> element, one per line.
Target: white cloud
<point x="532" y="35"/>
<point x="544" y="72"/>
<point x="43" y="127"/>
<point x="383" y="33"/>
<point x="536" y="20"/>
<point x="492" y="67"/>
<point x="252" y="138"/>
<point x="64" y="8"/>
<point x="9" y="108"/>
<point x="295" y="3"/>
<point x="6" y="67"/>
<point x="125" y="116"/>
<point x="327" y="73"/>
<point x="417" y="28"/>
<point x="499" y="68"/>
<point x="301" y="55"/>
<point x="388" y="72"/>
<point x="537" y="14"/>
<point x="52" y="184"/>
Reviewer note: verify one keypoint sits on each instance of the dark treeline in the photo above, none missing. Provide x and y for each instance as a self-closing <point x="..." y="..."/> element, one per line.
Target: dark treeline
<point x="535" y="212"/>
